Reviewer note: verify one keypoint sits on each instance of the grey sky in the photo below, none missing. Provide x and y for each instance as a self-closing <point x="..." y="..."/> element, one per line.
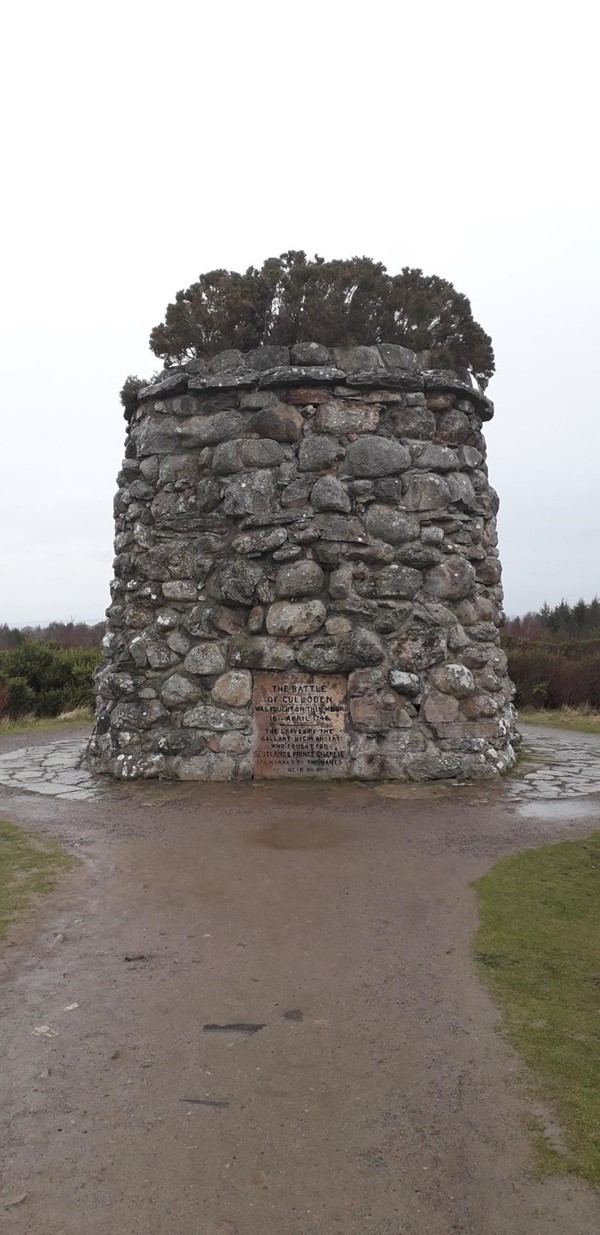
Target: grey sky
<point x="144" y="143"/>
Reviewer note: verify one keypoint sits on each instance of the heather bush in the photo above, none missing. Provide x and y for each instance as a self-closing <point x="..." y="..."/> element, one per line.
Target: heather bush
<point x="294" y="299"/>
<point x="554" y="675"/>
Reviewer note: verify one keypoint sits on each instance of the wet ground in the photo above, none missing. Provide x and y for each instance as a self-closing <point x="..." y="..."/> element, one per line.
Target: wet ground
<point x="277" y="1027"/>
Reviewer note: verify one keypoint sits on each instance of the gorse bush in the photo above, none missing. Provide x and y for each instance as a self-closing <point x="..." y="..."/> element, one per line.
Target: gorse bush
<point x="43" y="679"/>
<point x="293" y="299"/>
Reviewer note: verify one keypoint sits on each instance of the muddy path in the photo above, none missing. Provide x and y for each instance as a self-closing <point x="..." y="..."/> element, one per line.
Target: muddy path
<point x="279" y="1030"/>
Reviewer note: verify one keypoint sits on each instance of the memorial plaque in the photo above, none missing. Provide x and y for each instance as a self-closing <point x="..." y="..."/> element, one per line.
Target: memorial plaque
<point x="300" y="725"/>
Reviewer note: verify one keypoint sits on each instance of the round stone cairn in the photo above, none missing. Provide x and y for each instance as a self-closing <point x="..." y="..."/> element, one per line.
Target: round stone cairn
<point x="306" y="510"/>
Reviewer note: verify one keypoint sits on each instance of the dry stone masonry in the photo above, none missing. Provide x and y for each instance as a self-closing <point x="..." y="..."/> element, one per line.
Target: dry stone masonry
<point x="307" y="578"/>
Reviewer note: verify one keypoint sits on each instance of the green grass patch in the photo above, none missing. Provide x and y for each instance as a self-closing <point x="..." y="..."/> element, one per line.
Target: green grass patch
<point x="35" y="724"/>
<point x="583" y="720"/>
<point x="538" y="948"/>
<point x="28" y="869"/>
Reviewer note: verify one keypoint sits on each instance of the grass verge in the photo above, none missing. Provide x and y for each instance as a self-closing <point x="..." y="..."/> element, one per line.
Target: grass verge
<point x="582" y="719"/>
<point x="538" y="949"/>
<point x="36" y="724"/>
<point x="27" y="869"/>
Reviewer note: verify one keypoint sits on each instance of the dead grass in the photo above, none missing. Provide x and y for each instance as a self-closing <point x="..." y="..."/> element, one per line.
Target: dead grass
<point x="28" y="869"/>
<point x="37" y="724"/>
<point x="583" y="719"/>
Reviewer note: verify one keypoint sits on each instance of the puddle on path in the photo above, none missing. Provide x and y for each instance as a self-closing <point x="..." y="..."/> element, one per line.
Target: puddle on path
<point x="295" y="834"/>
<point x="561" y="810"/>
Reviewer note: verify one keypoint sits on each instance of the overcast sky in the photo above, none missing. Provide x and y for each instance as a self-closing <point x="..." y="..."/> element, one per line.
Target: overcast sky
<point x="146" y="142"/>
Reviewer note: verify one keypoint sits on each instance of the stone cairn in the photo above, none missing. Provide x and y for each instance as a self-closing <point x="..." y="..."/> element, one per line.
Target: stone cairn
<point x="306" y="576"/>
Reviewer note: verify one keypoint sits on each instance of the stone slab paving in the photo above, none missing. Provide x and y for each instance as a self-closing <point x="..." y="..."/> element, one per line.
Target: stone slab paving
<point x="556" y="764"/>
<point x="53" y="769"/>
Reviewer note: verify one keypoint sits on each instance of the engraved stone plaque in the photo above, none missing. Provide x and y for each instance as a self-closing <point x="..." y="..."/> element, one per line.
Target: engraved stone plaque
<point x="300" y="725"/>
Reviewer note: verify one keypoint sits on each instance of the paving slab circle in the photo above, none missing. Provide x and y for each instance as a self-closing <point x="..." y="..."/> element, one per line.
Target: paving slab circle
<point x="262" y="1013"/>
<point x="556" y="765"/>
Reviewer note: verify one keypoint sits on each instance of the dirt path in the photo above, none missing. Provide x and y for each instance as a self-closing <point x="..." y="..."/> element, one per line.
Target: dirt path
<point x="377" y="1096"/>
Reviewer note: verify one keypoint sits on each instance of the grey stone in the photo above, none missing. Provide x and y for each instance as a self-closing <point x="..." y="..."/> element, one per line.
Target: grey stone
<point x="174" y="469"/>
<point x="208" y="493"/>
<point x="131" y="716"/>
<point x="440" y="708"/>
<point x="263" y="540"/>
<point x="205" y="716"/>
<point x="303" y="618"/>
<point x="340" y="582"/>
<point x="434" y="766"/>
<point x="376" y="456"/>
<point x="468" y="456"/>
<point x="138" y="652"/>
<point x="233" y="689"/>
<point x="231" y="359"/>
<point x="394" y="378"/>
<point x="177" y="384"/>
<point x="229" y="379"/>
<point x="412" y="422"/>
<point x="433" y="458"/>
<point x="296" y="493"/>
<point x="418" y="555"/>
<point x="259" y="652"/>
<point x="301" y="375"/>
<point x="255" y="400"/>
<point x="340" y="527"/>
<point x="399" y="749"/>
<point x="388" y="489"/>
<point x="489" y="571"/>
<point x="426" y="492"/>
<point x="418" y="647"/>
<point x="309" y="354"/>
<point x="180" y="589"/>
<point x="304" y="578"/>
<point x="461" y="490"/>
<point x="205" y="659"/>
<point x="198" y="431"/>
<point x="432" y="535"/>
<point x="156" y="435"/>
<point x="405" y="683"/>
<point x="235" y="582"/>
<point x="255" y="620"/>
<point x="358" y="359"/>
<point x="453" y="679"/>
<point x="331" y="653"/>
<point x="453" y="579"/>
<point x="394" y="580"/>
<point x="248" y="493"/>
<point x="328" y="493"/>
<point x="287" y="554"/>
<point x="454" y="428"/>
<point x="318" y="452"/>
<point x="280" y="423"/>
<point x="268" y="356"/>
<point x="396" y="357"/>
<point x="179" y="642"/>
<point x="392" y="526"/>
<point x="178" y="690"/>
<point x="246" y="452"/>
<point x="342" y="416"/>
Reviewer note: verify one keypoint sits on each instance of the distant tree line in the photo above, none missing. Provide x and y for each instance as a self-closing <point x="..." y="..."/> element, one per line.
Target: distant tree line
<point x="563" y="621"/>
<point x="62" y="634"/>
<point x="554" y="655"/>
